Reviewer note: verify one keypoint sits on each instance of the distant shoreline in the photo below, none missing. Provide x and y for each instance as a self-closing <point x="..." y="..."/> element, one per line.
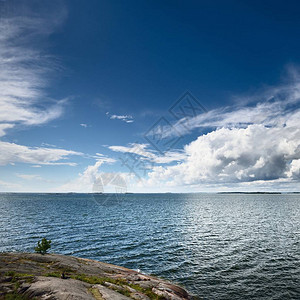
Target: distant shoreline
<point x="131" y="193"/>
<point x="255" y="193"/>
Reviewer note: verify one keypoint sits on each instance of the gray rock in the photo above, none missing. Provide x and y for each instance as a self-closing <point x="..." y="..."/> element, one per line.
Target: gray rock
<point x="36" y="275"/>
<point x="108" y="294"/>
<point x="56" y="288"/>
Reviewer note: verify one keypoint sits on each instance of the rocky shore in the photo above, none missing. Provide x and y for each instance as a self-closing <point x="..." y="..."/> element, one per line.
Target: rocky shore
<point x="54" y="276"/>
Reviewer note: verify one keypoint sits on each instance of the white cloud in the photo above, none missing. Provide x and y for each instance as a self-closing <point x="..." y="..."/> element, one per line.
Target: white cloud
<point x="143" y="151"/>
<point x="84" y="182"/>
<point x="47" y="145"/>
<point x="25" y="71"/>
<point x="9" y="185"/>
<point x="4" y="127"/>
<point x="29" y="176"/>
<point x="124" y="118"/>
<point x="294" y="171"/>
<point x="134" y="148"/>
<point x="235" y="155"/>
<point x="14" y="153"/>
<point x="273" y="107"/>
<point x="84" y="125"/>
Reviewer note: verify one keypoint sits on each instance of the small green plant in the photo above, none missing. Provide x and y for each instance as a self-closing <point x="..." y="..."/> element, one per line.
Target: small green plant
<point x="43" y="246"/>
<point x="53" y="274"/>
<point x="10" y="273"/>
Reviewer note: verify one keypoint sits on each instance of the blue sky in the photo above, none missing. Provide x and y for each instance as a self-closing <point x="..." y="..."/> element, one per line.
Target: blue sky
<point x="90" y="93"/>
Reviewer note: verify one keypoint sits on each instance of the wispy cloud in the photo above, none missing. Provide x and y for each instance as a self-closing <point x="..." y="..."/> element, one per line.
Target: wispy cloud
<point x="124" y="118"/>
<point x="145" y="153"/>
<point x="84" y="125"/>
<point x="9" y="185"/>
<point x="13" y="153"/>
<point x="48" y="145"/>
<point x="29" y="176"/>
<point x="4" y="127"/>
<point x="25" y="71"/>
<point x="272" y="107"/>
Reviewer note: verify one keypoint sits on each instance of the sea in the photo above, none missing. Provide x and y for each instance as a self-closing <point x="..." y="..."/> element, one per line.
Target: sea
<point x="217" y="246"/>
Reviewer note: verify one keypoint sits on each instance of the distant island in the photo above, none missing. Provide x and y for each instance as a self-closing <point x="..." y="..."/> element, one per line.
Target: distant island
<point x="271" y="193"/>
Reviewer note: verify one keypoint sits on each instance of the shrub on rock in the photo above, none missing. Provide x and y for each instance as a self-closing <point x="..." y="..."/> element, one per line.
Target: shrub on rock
<point x="43" y="246"/>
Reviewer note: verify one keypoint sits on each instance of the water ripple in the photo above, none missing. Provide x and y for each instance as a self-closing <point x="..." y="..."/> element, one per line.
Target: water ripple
<point x="217" y="246"/>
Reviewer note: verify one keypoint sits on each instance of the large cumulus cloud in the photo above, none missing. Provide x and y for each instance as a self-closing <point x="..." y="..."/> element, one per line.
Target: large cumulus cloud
<point x="229" y="155"/>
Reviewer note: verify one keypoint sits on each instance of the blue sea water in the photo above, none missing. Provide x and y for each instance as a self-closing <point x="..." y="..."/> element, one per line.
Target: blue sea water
<point x="218" y="246"/>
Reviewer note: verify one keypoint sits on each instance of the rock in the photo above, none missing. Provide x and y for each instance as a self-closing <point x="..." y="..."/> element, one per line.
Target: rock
<point x="55" y="288"/>
<point x="108" y="294"/>
<point x="114" y="286"/>
<point x="40" y="276"/>
<point x="139" y="296"/>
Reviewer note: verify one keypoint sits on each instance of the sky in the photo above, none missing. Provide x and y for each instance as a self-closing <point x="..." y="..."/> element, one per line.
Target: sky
<point x="149" y="96"/>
